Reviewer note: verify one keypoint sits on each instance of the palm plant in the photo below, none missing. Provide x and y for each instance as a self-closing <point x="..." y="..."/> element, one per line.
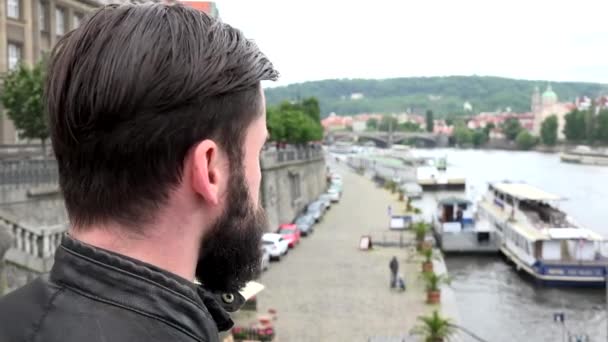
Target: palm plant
<point x="433" y="282"/>
<point x="434" y="328"/>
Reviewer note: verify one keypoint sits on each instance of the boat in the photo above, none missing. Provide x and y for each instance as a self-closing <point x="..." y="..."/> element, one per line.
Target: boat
<point x="585" y="155"/>
<point x="542" y="240"/>
<point x="457" y="228"/>
<point x="411" y="190"/>
<point x="437" y="176"/>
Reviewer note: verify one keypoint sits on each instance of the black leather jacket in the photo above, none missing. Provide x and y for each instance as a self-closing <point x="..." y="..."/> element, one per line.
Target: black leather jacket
<point x="93" y="295"/>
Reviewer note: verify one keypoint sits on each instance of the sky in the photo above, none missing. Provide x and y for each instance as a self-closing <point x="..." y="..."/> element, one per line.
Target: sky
<point x="533" y="39"/>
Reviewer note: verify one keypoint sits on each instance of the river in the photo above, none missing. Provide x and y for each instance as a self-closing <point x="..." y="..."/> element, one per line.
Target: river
<point x="495" y="301"/>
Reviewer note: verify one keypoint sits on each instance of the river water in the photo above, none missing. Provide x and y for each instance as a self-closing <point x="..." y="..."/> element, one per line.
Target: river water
<point x="495" y="301"/>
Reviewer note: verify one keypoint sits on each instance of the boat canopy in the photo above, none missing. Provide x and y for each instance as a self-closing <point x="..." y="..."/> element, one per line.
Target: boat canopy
<point x="454" y="200"/>
<point x="523" y="191"/>
<point x="573" y="233"/>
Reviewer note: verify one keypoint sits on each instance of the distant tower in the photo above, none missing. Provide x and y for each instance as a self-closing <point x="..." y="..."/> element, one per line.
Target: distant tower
<point x="536" y="101"/>
<point x="549" y="98"/>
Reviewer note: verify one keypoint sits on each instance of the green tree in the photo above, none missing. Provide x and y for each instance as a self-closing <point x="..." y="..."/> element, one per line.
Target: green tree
<point x="387" y="123"/>
<point x="525" y="140"/>
<point x="488" y="128"/>
<point x="479" y="138"/>
<point x="601" y="128"/>
<point x="548" y="131"/>
<point x="311" y="107"/>
<point x="275" y="123"/>
<point x="408" y="127"/>
<point x="22" y="99"/>
<point x="372" y="124"/>
<point x="511" y="128"/>
<point x="462" y="134"/>
<point x="575" y="127"/>
<point x="430" y="121"/>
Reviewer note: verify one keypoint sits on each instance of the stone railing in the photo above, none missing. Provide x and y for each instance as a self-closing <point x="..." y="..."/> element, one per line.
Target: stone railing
<point x="273" y="157"/>
<point x="28" y="171"/>
<point x="33" y="248"/>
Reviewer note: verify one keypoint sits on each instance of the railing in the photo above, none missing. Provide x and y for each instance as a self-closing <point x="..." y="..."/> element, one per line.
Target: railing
<point x="28" y="171"/>
<point x="38" y="242"/>
<point x="276" y="156"/>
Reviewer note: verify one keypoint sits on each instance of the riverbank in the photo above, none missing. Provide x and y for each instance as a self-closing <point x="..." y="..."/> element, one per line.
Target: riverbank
<point x="327" y="289"/>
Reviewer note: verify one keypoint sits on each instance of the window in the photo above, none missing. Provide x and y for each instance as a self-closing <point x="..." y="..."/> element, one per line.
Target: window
<point x="14" y="55"/>
<point x="42" y="16"/>
<point x="77" y="20"/>
<point x="59" y="21"/>
<point x="13" y="9"/>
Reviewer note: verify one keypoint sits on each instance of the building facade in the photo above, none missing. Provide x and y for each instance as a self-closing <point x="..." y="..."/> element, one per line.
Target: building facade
<point x="546" y="105"/>
<point x="28" y="29"/>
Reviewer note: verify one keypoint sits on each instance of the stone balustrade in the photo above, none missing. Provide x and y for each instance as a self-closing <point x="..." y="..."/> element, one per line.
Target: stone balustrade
<point x="274" y="157"/>
<point x="39" y="242"/>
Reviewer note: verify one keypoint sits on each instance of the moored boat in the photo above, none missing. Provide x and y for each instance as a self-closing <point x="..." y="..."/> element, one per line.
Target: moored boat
<point x="458" y="229"/>
<point x="585" y="155"/>
<point x="541" y="239"/>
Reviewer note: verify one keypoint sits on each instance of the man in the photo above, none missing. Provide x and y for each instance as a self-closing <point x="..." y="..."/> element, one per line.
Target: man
<point x="394" y="267"/>
<point x="157" y="120"/>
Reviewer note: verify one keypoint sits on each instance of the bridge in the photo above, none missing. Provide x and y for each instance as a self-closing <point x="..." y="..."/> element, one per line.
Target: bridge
<point x="386" y="139"/>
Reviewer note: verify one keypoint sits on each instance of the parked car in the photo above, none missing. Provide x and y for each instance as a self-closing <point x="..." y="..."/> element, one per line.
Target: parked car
<point x="276" y="245"/>
<point x="305" y="224"/>
<point x="265" y="259"/>
<point x="291" y="233"/>
<point x="334" y="194"/>
<point x="326" y="198"/>
<point x="316" y="209"/>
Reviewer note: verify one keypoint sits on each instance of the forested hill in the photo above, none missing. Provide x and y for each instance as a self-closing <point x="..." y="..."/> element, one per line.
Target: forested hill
<point x="443" y="95"/>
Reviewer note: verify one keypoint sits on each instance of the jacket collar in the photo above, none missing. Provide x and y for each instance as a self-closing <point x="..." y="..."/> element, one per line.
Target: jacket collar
<point x="133" y="284"/>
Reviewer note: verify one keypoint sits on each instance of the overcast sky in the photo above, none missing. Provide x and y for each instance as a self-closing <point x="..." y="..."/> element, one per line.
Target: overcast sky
<point x="529" y="39"/>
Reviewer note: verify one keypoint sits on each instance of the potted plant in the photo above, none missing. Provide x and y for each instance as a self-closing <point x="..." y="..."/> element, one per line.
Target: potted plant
<point x="420" y="229"/>
<point x="433" y="283"/>
<point x="427" y="264"/>
<point x="434" y="328"/>
<point x="401" y="195"/>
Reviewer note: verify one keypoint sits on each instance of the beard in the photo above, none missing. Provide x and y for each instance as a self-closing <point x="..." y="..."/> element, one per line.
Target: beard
<point x="230" y="254"/>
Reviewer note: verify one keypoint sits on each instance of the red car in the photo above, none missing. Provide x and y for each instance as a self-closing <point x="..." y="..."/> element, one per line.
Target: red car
<point x="291" y="233"/>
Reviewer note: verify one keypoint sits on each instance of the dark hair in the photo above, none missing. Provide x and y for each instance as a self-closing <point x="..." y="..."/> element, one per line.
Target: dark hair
<point x="131" y="91"/>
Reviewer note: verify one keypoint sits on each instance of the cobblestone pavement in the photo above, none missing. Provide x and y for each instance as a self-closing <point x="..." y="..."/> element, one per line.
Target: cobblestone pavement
<point x="328" y="290"/>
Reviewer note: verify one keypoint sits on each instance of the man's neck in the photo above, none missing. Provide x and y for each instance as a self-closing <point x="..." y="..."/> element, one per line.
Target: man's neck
<point x="169" y="252"/>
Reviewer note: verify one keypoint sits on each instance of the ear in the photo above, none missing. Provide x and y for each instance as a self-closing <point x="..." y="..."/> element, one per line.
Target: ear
<point x="206" y="171"/>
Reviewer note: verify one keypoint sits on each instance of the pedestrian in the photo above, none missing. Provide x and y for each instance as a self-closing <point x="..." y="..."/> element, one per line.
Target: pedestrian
<point x="394" y="267"/>
<point x="157" y="119"/>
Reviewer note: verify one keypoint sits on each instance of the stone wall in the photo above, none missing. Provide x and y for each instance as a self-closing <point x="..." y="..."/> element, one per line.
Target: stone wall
<point x="290" y="183"/>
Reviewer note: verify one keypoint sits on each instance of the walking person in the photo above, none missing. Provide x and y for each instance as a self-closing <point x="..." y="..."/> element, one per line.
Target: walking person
<point x="394" y="267"/>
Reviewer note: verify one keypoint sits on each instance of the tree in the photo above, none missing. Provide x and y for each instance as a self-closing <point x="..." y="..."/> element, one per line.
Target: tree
<point x="601" y="128"/>
<point x="275" y="123"/>
<point x="575" y="128"/>
<point x="488" y="128"/>
<point x="408" y="127"/>
<point x="388" y="123"/>
<point x="548" y="131"/>
<point x="22" y="99"/>
<point x="372" y="124"/>
<point x="525" y="140"/>
<point x="479" y="138"/>
<point x="511" y="128"/>
<point x="462" y="134"/>
<point x="311" y="107"/>
<point x="430" y="123"/>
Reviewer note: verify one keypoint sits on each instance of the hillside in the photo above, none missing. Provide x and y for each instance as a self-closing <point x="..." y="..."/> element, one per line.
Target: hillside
<point x="443" y="95"/>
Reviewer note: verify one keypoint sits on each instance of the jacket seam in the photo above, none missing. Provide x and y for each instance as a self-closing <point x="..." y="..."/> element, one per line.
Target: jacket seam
<point x="134" y="275"/>
<point x="140" y="312"/>
<point x="45" y="313"/>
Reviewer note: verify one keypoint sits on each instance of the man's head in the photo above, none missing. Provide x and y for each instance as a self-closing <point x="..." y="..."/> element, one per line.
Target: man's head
<point x="155" y="107"/>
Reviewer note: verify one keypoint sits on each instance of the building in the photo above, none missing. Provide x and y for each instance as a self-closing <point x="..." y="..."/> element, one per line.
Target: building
<point x="546" y="105"/>
<point x="28" y="29"/>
